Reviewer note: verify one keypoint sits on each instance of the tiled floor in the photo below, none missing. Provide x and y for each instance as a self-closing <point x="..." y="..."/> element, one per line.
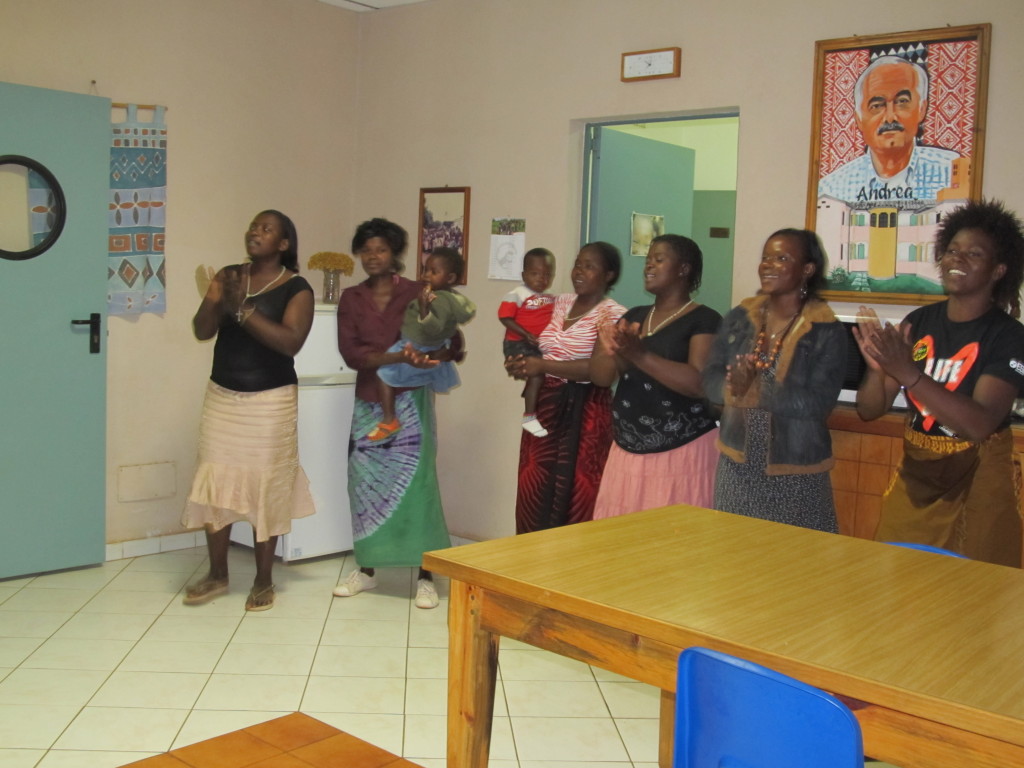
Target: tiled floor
<point x="103" y="666"/>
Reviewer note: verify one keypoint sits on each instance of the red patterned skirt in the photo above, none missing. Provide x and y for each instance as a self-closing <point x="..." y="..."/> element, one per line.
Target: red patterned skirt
<point x="559" y="474"/>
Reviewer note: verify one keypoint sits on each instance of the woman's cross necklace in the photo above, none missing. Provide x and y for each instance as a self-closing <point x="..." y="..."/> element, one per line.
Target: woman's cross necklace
<point x="240" y="313"/>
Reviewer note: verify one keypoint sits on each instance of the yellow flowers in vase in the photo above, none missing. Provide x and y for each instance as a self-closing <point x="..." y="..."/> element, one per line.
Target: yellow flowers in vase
<point x="333" y="265"/>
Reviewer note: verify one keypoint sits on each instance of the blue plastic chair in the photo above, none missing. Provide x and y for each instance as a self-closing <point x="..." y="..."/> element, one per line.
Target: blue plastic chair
<point x="927" y="548"/>
<point x="732" y="713"/>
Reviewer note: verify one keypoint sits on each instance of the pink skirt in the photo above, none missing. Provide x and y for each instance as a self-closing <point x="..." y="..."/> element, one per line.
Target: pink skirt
<point x="635" y="481"/>
<point x="249" y="463"/>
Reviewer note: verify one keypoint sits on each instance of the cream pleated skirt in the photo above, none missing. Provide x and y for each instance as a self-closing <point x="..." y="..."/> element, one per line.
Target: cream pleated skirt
<point x="248" y="467"/>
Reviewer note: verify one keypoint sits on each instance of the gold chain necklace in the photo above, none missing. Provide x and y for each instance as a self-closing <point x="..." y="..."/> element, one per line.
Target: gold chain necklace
<point x="667" y="320"/>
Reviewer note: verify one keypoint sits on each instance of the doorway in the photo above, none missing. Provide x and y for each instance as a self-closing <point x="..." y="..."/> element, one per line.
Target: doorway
<point x="681" y="169"/>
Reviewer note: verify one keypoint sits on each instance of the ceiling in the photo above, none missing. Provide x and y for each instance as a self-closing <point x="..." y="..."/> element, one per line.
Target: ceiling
<point x="369" y="5"/>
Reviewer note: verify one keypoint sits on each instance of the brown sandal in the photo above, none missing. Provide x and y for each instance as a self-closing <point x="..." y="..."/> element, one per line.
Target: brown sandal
<point x="204" y="591"/>
<point x="253" y="602"/>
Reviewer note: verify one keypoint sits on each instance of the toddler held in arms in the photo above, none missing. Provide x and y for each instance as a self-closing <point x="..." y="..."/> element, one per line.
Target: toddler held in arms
<point x="525" y="312"/>
<point x="429" y="323"/>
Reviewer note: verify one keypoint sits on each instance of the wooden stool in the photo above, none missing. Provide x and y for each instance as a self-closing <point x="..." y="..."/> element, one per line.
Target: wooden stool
<point x="295" y="740"/>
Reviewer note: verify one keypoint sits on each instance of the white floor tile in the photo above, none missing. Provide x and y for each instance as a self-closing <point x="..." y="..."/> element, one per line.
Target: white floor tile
<point x="198" y="629"/>
<point x="58" y="687"/>
<point x="119" y="601"/>
<point x="370" y="695"/>
<point x="93" y="578"/>
<point x="426" y="737"/>
<point x="20" y="758"/>
<point x="172" y="656"/>
<point x="431" y="633"/>
<point x="578" y="739"/>
<point x="289" y="604"/>
<point x="32" y="623"/>
<point x="77" y="758"/>
<point x="162" y="582"/>
<point x="116" y="729"/>
<point x="426" y="697"/>
<point x="350" y="661"/>
<point x="632" y="699"/>
<point x="33" y="726"/>
<point x="14" y="650"/>
<point x="640" y="737"/>
<point x="428" y="662"/>
<point x="530" y="665"/>
<point x="178" y="561"/>
<point x="365" y="633"/>
<point x="555" y="698"/>
<point x="6" y="592"/>
<point x="165" y="690"/>
<point x="371" y="606"/>
<point x="275" y="631"/>
<point x="67" y="653"/>
<point x="35" y="600"/>
<point x="253" y="659"/>
<point x="253" y="692"/>
<point x="105" y="626"/>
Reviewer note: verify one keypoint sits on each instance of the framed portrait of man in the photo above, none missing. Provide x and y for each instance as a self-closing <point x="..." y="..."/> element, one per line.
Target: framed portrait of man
<point x="897" y="141"/>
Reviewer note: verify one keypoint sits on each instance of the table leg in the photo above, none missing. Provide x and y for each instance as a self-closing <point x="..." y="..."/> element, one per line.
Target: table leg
<point x="472" y="672"/>
<point x="667" y="729"/>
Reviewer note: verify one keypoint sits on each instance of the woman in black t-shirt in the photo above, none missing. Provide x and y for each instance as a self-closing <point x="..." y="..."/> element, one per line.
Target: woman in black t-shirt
<point x="961" y="364"/>
<point x="248" y="467"/>
<point x="664" y="450"/>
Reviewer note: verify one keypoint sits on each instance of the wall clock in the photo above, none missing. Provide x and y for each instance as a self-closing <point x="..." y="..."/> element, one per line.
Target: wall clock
<point x="651" y="65"/>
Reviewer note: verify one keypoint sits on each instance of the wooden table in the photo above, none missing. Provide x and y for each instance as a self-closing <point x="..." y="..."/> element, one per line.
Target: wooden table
<point x="934" y="644"/>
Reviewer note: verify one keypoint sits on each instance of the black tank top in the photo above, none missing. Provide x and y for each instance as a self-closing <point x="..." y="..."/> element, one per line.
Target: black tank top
<point x="242" y="363"/>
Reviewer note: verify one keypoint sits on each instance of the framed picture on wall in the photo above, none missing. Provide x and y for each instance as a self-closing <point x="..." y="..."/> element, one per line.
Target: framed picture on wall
<point x="444" y="221"/>
<point x="897" y="141"/>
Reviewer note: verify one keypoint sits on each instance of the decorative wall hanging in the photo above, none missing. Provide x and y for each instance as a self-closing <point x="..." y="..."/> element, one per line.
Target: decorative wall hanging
<point x="136" y="213"/>
<point x="898" y="131"/>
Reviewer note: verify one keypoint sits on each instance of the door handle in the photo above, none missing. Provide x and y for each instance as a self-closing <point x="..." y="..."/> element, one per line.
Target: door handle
<point x="94" y="331"/>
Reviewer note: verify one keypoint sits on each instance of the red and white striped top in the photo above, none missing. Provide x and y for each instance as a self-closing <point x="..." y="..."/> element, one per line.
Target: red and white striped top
<point x="577" y="341"/>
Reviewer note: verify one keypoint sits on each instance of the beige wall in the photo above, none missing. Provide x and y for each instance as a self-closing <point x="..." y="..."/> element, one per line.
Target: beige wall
<point x="260" y="97"/>
<point x="336" y="117"/>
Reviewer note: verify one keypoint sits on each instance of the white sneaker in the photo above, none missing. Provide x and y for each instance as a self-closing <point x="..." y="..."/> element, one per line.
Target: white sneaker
<point x="426" y="594"/>
<point x="356" y="582"/>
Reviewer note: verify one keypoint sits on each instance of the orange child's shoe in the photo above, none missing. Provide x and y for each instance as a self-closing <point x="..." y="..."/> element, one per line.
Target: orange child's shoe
<point x="384" y="430"/>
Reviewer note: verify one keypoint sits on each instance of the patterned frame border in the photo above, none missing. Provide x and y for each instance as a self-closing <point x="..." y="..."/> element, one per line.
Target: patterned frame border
<point x="958" y="60"/>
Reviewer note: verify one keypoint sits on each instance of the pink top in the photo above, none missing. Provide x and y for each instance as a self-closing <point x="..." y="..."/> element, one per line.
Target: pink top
<point x="577" y="341"/>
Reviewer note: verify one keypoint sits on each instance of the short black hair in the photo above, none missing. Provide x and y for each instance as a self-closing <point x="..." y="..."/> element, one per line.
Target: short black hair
<point x="611" y="259"/>
<point x="1004" y="228"/>
<point x="539" y="253"/>
<point x="396" y="238"/>
<point x="290" y="256"/>
<point x="452" y="259"/>
<point x="814" y="253"/>
<point x="686" y="252"/>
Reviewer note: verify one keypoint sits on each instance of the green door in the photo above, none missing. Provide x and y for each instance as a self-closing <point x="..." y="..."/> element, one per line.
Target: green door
<point x="52" y="387"/>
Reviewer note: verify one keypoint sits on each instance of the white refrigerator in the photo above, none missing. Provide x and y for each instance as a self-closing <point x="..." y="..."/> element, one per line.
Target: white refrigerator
<point x="326" y="399"/>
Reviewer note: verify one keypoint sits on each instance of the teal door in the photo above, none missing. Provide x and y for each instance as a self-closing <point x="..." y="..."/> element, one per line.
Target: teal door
<point x="52" y="387"/>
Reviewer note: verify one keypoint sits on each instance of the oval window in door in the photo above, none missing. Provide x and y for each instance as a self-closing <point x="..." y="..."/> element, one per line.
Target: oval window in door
<point x="32" y="208"/>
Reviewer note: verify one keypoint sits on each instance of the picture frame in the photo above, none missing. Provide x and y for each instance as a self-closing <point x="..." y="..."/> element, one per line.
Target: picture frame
<point x="444" y="221"/>
<point x="884" y="171"/>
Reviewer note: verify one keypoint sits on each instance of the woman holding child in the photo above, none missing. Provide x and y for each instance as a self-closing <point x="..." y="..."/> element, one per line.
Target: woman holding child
<point x="664" y="450"/>
<point x="395" y="499"/>
<point x="559" y="473"/>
